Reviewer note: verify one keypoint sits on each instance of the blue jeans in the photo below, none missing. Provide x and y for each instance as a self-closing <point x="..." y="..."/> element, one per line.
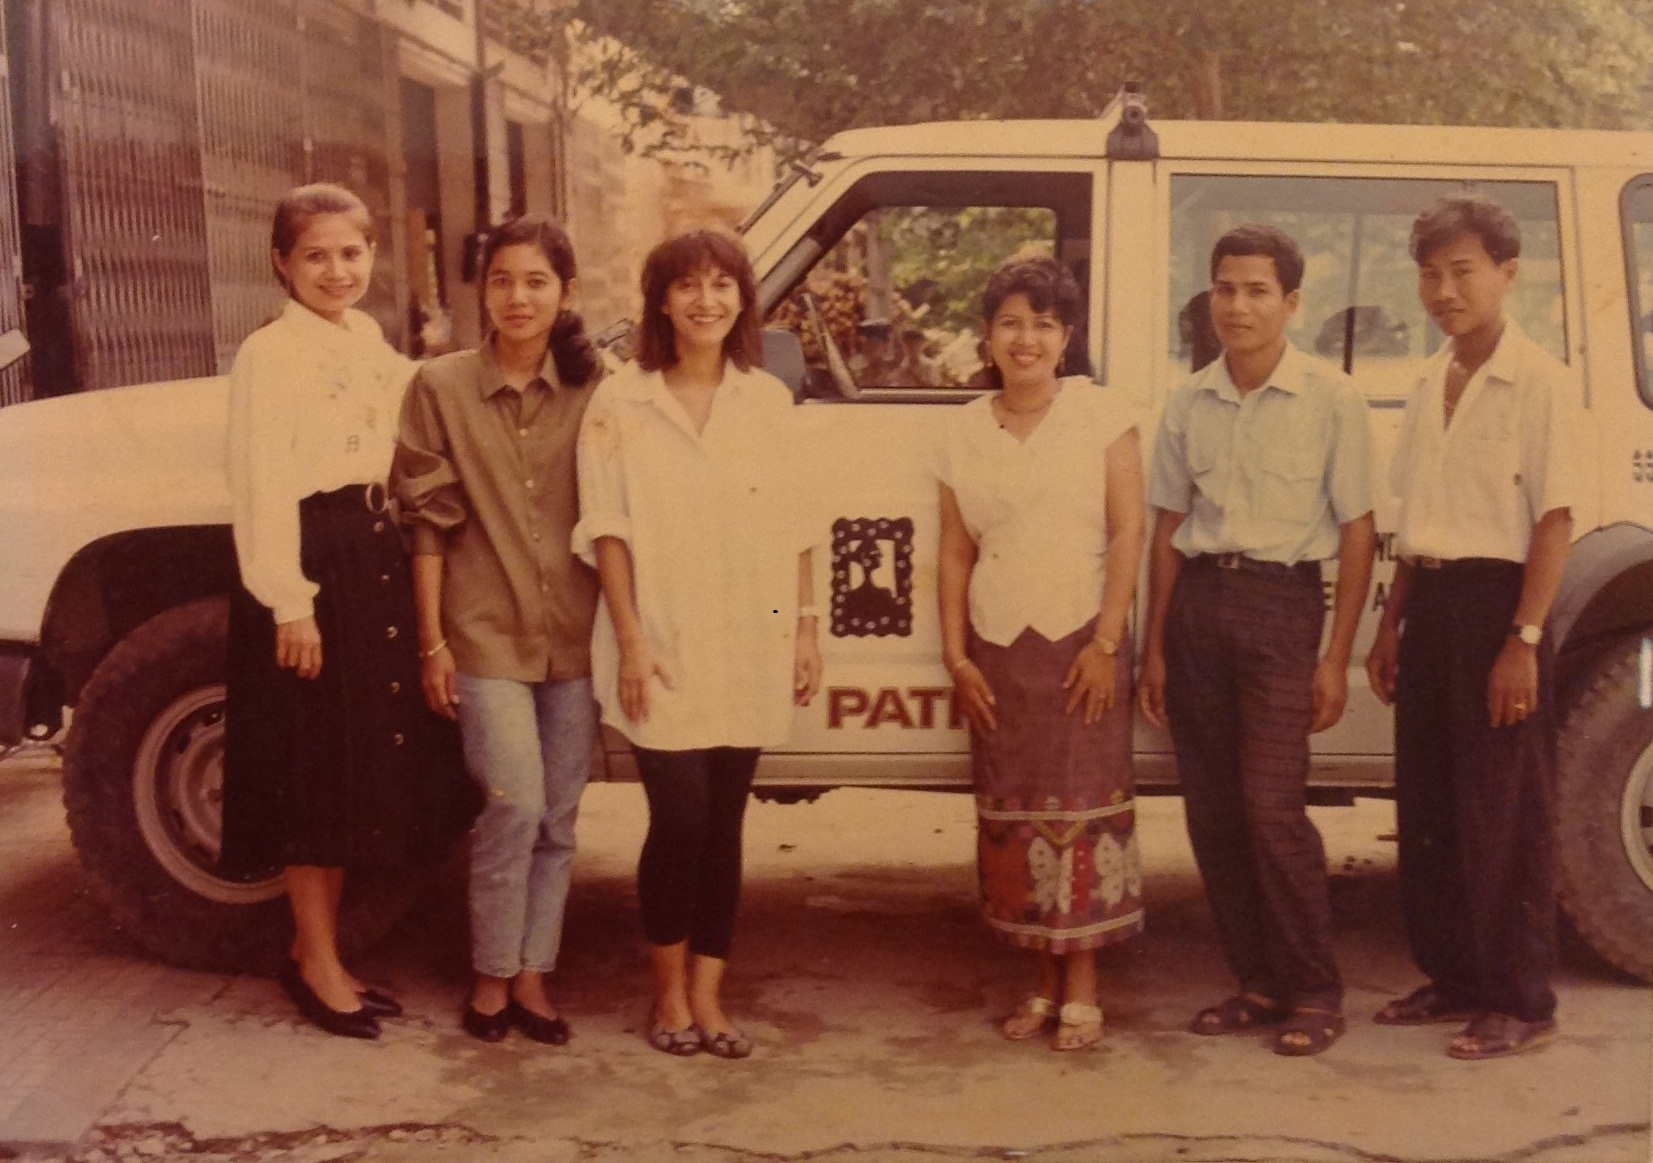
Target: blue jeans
<point x="529" y="746"/>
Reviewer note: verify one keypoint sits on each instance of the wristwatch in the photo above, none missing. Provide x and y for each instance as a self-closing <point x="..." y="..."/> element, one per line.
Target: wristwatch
<point x="1106" y="645"/>
<point x="1529" y="633"/>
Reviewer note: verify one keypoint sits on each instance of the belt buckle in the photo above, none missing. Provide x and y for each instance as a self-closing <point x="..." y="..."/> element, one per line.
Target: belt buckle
<point x="1230" y="561"/>
<point x="377" y="501"/>
<point x="1428" y="562"/>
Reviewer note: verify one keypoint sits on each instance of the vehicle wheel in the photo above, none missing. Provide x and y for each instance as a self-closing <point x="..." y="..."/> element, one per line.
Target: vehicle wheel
<point x="1604" y="814"/>
<point x="142" y="782"/>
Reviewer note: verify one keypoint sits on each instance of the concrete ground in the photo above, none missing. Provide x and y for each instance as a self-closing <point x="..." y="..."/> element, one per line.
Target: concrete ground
<point x="863" y="975"/>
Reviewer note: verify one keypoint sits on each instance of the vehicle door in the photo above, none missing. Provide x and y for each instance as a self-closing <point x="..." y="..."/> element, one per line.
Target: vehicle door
<point x="883" y="291"/>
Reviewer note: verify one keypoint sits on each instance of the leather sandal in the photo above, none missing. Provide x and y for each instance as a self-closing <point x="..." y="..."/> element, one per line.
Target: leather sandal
<point x="1307" y="1032"/>
<point x="1079" y="1028"/>
<point x="1034" y="1016"/>
<point x="1424" y="1006"/>
<point x="1499" y="1036"/>
<point x="1240" y="1014"/>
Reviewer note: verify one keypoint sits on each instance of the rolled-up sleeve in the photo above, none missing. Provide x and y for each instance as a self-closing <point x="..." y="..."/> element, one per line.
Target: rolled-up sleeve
<point x="422" y="473"/>
<point x="1349" y="468"/>
<point x="1170" y="484"/>
<point x="599" y="456"/>
<point x="264" y="489"/>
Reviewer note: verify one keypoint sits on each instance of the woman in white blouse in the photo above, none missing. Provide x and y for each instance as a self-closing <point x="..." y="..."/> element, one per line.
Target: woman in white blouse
<point x="690" y="509"/>
<point x="331" y="759"/>
<point x="1042" y="529"/>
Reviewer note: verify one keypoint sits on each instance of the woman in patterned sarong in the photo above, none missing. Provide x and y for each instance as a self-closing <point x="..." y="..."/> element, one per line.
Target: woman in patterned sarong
<point x="1042" y="531"/>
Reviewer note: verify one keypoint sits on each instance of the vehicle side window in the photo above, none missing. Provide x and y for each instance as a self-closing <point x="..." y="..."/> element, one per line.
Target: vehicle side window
<point x="1636" y="208"/>
<point x="1359" y="305"/>
<point x="891" y="307"/>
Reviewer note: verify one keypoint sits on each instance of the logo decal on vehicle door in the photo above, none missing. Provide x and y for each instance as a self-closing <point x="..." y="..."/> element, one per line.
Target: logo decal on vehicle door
<point x="872" y="577"/>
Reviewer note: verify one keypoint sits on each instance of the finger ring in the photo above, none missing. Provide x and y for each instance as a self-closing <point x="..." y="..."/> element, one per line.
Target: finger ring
<point x="1521" y="707"/>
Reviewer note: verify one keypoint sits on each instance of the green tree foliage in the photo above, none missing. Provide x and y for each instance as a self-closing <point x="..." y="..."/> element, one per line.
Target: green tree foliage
<point x="806" y="68"/>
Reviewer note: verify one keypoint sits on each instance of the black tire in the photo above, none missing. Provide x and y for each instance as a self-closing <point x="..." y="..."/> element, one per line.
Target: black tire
<point x="142" y="775"/>
<point x="1604" y="813"/>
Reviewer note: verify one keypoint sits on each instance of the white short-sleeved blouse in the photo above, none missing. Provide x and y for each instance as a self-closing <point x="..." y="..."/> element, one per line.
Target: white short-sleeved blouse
<point x="313" y="408"/>
<point x="715" y="522"/>
<point x="1037" y="509"/>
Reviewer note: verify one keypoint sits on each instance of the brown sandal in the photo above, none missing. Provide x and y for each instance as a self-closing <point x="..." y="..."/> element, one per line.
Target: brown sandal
<point x="1424" y="1006"/>
<point x="1498" y="1036"/>
<point x="1307" y="1032"/>
<point x="1240" y="1014"/>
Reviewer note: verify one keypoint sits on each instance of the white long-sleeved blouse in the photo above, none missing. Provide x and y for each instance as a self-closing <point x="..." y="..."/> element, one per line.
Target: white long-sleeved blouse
<point x="715" y="522"/>
<point x="313" y="407"/>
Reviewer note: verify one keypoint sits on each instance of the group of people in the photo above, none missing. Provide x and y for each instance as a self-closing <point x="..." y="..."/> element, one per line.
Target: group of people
<point x="632" y="548"/>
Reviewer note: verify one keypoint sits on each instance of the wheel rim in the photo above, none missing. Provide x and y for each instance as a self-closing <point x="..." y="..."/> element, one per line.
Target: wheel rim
<point x="1637" y="816"/>
<point x="177" y="789"/>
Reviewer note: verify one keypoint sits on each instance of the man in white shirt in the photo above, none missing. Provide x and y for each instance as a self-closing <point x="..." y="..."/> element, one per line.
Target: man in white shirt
<point x="1487" y="481"/>
<point x="1261" y="472"/>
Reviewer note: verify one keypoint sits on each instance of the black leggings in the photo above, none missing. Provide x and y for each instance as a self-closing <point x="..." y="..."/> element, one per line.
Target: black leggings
<point x="688" y="877"/>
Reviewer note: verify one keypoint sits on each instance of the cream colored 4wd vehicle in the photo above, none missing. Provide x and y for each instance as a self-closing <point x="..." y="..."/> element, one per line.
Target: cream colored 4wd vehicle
<point x="872" y="256"/>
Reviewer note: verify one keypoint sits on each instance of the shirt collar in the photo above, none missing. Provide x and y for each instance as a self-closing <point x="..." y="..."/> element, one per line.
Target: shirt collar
<point x="1287" y="375"/>
<point x="490" y="381"/>
<point x="641" y="386"/>
<point x="355" y="323"/>
<point x="1501" y="365"/>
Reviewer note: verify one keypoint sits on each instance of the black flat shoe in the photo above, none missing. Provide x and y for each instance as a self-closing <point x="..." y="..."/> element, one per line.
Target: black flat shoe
<point x="486" y="1027"/>
<point x="353" y="1024"/>
<point x="551" y="1031"/>
<point x="380" y="1004"/>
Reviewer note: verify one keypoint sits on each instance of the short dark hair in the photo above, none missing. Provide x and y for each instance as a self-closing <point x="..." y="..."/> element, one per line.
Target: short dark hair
<point x="571" y="350"/>
<point x="1454" y="216"/>
<point x="303" y="203"/>
<point x="1048" y="286"/>
<point x="1270" y="242"/>
<point x="685" y="255"/>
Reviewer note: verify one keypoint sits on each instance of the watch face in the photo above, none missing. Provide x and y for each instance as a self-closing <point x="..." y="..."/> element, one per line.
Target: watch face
<point x="1529" y="634"/>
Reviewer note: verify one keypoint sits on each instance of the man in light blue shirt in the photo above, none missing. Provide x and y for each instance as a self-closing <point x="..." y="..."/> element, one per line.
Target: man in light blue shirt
<point x="1261" y="472"/>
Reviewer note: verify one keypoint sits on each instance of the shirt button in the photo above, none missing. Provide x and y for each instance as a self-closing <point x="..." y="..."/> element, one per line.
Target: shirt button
<point x="522" y="432"/>
<point x="390" y="631"/>
<point x="397" y="739"/>
<point x="378" y="526"/>
<point x="384" y="577"/>
<point x="528" y="483"/>
<point x="535" y="536"/>
<point x="395" y="688"/>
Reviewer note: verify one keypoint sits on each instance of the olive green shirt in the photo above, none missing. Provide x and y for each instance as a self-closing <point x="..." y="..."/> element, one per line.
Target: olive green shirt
<point x="484" y="475"/>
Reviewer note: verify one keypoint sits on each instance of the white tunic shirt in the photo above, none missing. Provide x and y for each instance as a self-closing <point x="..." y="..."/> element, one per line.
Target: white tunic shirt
<point x="715" y="522"/>
<point x="1037" y="510"/>
<point x="313" y="407"/>
<point x="1476" y="487"/>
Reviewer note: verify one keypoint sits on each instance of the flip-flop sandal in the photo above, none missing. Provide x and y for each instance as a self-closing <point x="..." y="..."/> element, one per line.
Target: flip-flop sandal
<point x="1079" y="1028"/>
<point x="682" y="1043"/>
<point x="1240" y="1014"/>
<point x="1499" y="1036"/>
<point x="1424" y="1006"/>
<point x="1307" y="1032"/>
<point x="732" y="1045"/>
<point x="1034" y="1016"/>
